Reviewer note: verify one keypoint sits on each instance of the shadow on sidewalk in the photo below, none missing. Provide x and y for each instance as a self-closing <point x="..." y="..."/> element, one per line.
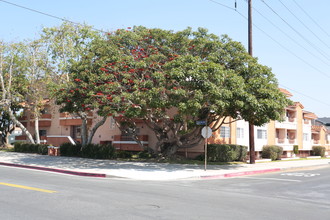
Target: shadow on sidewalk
<point x="74" y="163"/>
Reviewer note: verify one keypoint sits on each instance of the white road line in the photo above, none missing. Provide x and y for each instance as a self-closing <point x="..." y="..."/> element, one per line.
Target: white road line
<point x="277" y="179"/>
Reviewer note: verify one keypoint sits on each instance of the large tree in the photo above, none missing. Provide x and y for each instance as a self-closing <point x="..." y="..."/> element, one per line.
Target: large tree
<point x="13" y="82"/>
<point x="69" y="45"/>
<point x="170" y="80"/>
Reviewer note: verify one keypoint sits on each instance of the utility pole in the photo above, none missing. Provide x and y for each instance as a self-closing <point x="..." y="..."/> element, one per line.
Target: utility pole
<point x="251" y="126"/>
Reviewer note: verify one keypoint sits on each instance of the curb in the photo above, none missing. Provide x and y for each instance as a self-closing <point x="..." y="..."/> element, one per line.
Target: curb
<point x="246" y="173"/>
<point x="240" y="174"/>
<point x="69" y="172"/>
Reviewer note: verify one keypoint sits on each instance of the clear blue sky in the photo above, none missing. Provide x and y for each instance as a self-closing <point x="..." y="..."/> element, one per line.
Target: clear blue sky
<point x="295" y="43"/>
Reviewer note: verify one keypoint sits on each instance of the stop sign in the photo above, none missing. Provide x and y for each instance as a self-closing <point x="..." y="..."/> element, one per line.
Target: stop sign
<point x="206" y="132"/>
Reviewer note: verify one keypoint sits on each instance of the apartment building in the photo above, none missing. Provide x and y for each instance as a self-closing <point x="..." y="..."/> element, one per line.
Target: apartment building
<point x="298" y="127"/>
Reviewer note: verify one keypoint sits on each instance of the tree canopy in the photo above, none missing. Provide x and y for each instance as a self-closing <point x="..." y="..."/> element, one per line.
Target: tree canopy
<point x="170" y="80"/>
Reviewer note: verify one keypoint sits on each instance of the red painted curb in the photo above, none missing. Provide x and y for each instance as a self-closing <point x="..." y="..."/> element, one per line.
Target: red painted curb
<point x="54" y="170"/>
<point x="240" y="173"/>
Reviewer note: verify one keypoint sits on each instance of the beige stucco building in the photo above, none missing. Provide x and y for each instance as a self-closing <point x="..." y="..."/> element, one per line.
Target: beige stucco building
<point x="296" y="128"/>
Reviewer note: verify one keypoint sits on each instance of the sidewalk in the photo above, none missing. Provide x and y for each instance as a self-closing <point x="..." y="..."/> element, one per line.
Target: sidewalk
<point x="146" y="171"/>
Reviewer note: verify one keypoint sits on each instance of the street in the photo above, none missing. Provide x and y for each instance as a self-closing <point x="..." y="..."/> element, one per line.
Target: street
<point x="297" y="194"/>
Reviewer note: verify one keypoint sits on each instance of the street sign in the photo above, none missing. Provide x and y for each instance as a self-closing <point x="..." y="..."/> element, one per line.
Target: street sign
<point x="201" y="122"/>
<point x="206" y="132"/>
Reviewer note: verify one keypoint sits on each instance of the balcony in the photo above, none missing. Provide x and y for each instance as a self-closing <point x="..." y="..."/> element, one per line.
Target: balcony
<point x="45" y="120"/>
<point x="285" y="141"/>
<point x="287" y="123"/>
<point x="124" y="142"/>
<point x="67" y="119"/>
<point x="291" y="119"/>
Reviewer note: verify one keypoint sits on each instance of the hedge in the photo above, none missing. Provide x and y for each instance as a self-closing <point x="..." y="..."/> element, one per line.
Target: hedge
<point x="95" y="151"/>
<point x="226" y="152"/>
<point x="30" y="148"/>
<point x="318" y="151"/>
<point x="272" y="152"/>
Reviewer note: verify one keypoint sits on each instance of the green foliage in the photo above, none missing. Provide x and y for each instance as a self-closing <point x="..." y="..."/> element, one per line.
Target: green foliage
<point x="144" y="73"/>
<point x="30" y="148"/>
<point x="124" y="154"/>
<point x="272" y="152"/>
<point x="295" y="149"/>
<point x="144" y="155"/>
<point x="95" y="151"/>
<point x="98" y="151"/>
<point x="200" y="157"/>
<point x="226" y="152"/>
<point x="70" y="150"/>
<point x="318" y="151"/>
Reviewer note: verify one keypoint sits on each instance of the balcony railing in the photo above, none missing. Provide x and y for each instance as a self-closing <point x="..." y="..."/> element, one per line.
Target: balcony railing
<point x="67" y="119"/>
<point x="291" y="119"/>
<point x="124" y="142"/>
<point x="44" y="120"/>
<point x="285" y="141"/>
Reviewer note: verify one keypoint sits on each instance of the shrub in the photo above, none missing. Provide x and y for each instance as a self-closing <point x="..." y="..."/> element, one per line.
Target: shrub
<point x="30" y="148"/>
<point x="95" y="151"/>
<point x="295" y="149"/>
<point x="124" y="154"/>
<point x="144" y="154"/>
<point x="42" y="149"/>
<point x="226" y="152"/>
<point x="272" y="152"/>
<point x="98" y="151"/>
<point x="70" y="150"/>
<point x="200" y="157"/>
<point x="318" y="151"/>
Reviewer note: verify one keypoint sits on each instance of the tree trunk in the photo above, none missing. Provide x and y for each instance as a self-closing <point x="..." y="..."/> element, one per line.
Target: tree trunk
<point x="20" y="125"/>
<point x="92" y="132"/>
<point x="7" y="140"/>
<point x="36" y="129"/>
<point x="168" y="149"/>
<point x="84" y="131"/>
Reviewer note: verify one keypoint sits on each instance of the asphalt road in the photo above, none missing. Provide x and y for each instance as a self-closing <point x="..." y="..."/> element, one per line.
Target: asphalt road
<point x="298" y="194"/>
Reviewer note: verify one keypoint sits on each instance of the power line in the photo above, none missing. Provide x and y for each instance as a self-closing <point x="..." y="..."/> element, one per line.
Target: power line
<point x="228" y="7"/>
<point x="302" y="9"/>
<point x="310" y="97"/>
<point x="315" y="35"/>
<point x="291" y="38"/>
<point x="46" y="14"/>
<point x="273" y="39"/>
<point x="297" y="32"/>
<point x="285" y="48"/>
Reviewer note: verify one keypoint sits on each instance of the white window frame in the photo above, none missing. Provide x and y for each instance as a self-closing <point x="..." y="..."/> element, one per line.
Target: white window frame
<point x="225" y="132"/>
<point x="306" y="137"/>
<point x="240" y="133"/>
<point x="261" y="134"/>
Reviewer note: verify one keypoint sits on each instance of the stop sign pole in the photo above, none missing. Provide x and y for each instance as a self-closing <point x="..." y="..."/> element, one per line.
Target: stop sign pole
<point x="206" y="133"/>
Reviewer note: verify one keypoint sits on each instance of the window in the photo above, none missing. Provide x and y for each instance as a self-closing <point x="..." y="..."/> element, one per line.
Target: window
<point x="225" y="132"/>
<point x="42" y="133"/>
<point x="261" y="134"/>
<point x="76" y="132"/>
<point x="306" y="137"/>
<point x="240" y="133"/>
<point x="277" y="133"/>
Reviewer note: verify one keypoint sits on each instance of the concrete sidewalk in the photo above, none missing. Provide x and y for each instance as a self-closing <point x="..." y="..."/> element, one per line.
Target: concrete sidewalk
<point x="146" y="171"/>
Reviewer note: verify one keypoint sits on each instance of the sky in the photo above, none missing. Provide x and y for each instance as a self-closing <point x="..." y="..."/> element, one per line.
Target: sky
<point x="290" y="36"/>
